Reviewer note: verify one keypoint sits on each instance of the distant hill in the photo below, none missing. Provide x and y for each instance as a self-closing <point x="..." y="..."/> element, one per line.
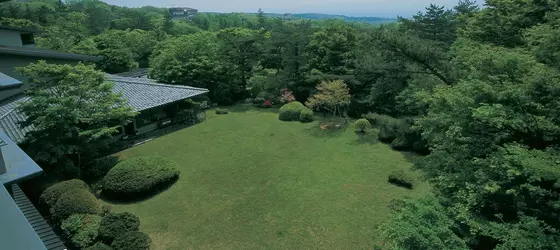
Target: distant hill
<point x="316" y="16"/>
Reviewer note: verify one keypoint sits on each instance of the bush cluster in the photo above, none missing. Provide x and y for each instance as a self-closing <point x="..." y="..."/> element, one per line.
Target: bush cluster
<point x="306" y="115"/>
<point x="77" y="201"/>
<point x="81" y="230"/>
<point x="398" y="133"/>
<point x="377" y="119"/>
<point x="50" y="196"/>
<point x="362" y="125"/>
<point x="132" y="241"/>
<point x="114" y="225"/>
<point x="99" y="167"/>
<point x="291" y="111"/>
<point x="222" y="111"/>
<point x="401" y="178"/>
<point x="136" y="177"/>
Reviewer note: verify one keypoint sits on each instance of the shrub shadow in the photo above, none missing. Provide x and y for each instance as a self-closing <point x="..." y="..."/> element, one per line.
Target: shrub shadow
<point x="124" y="199"/>
<point x="401" y="184"/>
<point x="246" y="107"/>
<point x="316" y="130"/>
<point x="369" y="137"/>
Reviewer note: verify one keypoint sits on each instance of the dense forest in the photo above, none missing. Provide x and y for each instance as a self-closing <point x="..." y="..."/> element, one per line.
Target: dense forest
<point x="473" y="89"/>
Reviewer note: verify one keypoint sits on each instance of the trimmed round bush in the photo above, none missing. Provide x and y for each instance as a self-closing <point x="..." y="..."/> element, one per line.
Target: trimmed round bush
<point x="81" y="230"/>
<point x="139" y="176"/>
<point x="51" y="195"/>
<point x="114" y="225"/>
<point x="132" y="241"/>
<point x="99" y="246"/>
<point x="77" y="201"/>
<point x="222" y="111"/>
<point x="362" y="125"/>
<point x="401" y="178"/>
<point x="291" y="111"/>
<point x="306" y="115"/>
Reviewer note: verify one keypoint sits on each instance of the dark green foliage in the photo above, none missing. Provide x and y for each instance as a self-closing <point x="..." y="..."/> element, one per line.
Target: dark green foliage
<point x="113" y="225"/>
<point x="99" y="167"/>
<point x="99" y="246"/>
<point x="377" y="119"/>
<point x="306" y="115"/>
<point x="132" y="241"/>
<point x="421" y="225"/>
<point x="81" y="230"/>
<point x="390" y="129"/>
<point x="222" y="111"/>
<point x="362" y="125"/>
<point x="401" y="178"/>
<point x="291" y="111"/>
<point x="50" y="196"/>
<point x="77" y="201"/>
<point x="136" y="177"/>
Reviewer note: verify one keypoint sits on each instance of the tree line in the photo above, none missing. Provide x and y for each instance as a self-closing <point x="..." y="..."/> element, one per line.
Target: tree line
<point x="476" y="88"/>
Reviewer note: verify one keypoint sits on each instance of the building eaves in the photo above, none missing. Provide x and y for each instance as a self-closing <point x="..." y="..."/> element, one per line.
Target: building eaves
<point x="8" y="27"/>
<point x="27" y="51"/>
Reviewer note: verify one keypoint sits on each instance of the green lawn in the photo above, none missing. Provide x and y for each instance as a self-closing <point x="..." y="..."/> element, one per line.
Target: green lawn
<point x="250" y="181"/>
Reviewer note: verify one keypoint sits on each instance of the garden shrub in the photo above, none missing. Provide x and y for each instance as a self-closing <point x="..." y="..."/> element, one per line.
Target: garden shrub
<point x="140" y="176"/>
<point x="400" y="143"/>
<point x="100" y="167"/>
<point x="306" y="115"/>
<point x="114" y="225"/>
<point x="51" y="195"/>
<point x="258" y="101"/>
<point x="291" y="111"/>
<point x="222" y="111"/>
<point x="390" y="129"/>
<point x="263" y="94"/>
<point x="77" y="201"/>
<point x="362" y="125"/>
<point x="99" y="246"/>
<point x="401" y="178"/>
<point x="81" y="230"/>
<point x="132" y="241"/>
<point x="377" y="119"/>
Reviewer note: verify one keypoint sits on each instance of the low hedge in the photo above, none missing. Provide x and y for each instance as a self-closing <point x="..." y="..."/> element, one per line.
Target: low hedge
<point x="306" y="115"/>
<point x="291" y="111"/>
<point x="362" y="125"/>
<point x="81" y="230"/>
<point x="114" y="225"/>
<point x="140" y="176"/>
<point x="222" y="111"/>
<point x="401" y="178"/>
<point x="132" y="241"/>
<point x="50" y="196"/>
<point x="77" y="201"/>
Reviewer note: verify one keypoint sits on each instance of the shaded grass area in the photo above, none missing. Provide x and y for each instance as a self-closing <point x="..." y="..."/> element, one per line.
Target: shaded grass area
<point x="250" y="181"/>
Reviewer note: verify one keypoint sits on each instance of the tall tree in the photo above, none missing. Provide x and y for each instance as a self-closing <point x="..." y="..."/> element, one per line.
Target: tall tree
<point x="72" y="109"/>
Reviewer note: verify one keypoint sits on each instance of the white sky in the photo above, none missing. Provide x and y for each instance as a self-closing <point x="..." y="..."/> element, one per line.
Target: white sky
<point x="382" y="8"/>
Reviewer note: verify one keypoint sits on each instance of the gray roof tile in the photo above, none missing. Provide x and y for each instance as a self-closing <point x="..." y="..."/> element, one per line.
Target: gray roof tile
<point x="141" y="93"/>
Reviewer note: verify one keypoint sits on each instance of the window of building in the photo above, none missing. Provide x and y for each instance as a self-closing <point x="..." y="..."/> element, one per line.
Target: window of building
<point x="27" y="38"/>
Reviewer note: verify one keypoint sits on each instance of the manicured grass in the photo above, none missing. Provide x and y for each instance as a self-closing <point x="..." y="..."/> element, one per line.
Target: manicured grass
<point x="250" y="181"/>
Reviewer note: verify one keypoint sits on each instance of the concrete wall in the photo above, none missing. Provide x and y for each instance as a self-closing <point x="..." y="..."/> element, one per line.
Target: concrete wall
<point x="10" y="38"/>
<point x="8" y="63"/>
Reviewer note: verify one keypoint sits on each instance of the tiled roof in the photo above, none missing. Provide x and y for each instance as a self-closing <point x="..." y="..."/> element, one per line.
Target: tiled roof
<point x="139" y="72"/>
<point x="142" y="94"/>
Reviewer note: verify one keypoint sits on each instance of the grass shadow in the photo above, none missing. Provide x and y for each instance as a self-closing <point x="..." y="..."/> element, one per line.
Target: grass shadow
<point x="121" y="199"/>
